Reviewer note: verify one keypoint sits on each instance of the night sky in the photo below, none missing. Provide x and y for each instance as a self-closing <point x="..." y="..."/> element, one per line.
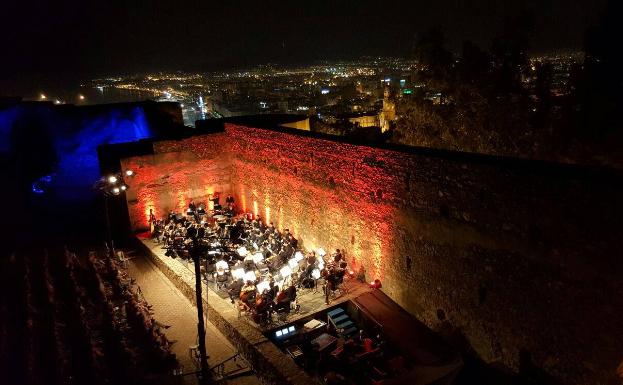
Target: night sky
<point x="49" y="43"/>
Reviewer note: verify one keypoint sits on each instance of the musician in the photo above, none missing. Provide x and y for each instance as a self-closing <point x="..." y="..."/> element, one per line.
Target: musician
<point x="191" y="231"/>
<point x="215" y="199"/>
<point x="229" y="211"/>
<point x="273" y="290"/>
<point x="311" y="258"/>
<point x="234" y="289"/>
<point x="328" y="287"/>
<point x="337" y="256"/>
<point x="172" y="217"/>
<point x="293" y="242"/>
<point x="229" y="200"/>
<point x="247" y="292"/>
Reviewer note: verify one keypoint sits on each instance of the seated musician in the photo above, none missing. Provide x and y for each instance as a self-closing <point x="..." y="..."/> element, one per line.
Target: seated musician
<point x="337" y="256"/>
<point x="247" y="292"/>
<point x="229" y="200"/>
<point x="291" y="293"/>
<point x="262" y="306"/>
<point x="311" y="258"/>
<point x="229" y="211"/>
<point x="234" y="289"/>
<point x="282" y="301"/>
<point x="293" y="241"/>
<point x="273" y="290"/>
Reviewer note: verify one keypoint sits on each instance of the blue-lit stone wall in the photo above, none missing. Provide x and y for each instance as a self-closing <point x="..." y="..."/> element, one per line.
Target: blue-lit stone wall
<point x="72" y="135"/>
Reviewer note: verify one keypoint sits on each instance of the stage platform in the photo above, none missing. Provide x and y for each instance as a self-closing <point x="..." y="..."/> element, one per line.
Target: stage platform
<point x="311" y="301"/>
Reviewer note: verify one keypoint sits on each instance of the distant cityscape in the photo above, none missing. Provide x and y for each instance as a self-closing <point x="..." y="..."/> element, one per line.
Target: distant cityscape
<point x="331" y="92"/>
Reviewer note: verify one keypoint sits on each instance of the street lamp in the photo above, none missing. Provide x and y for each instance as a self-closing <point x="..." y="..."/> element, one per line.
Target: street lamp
<point x="112" y="185"/>
<point x="192" y="246"/>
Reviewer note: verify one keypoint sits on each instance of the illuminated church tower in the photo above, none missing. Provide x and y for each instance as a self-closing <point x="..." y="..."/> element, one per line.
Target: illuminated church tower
<point x="388" y="114"/>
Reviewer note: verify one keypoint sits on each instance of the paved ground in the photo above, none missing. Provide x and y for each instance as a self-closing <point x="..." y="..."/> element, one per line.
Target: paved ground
<point x="170" y="307"/>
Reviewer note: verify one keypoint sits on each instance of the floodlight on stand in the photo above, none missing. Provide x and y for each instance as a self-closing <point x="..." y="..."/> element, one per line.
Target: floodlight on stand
<point x="298" y="256"/>
<point x="292" y="263"/>
<point x="316" y="273"/>
<point x="112" y="179"/>
<point x="285" y="271"/>
<point x="250" y="276"/>
<point x="321" y="252"/>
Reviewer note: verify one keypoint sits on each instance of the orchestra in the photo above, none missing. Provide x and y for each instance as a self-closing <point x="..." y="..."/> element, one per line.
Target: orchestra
<point x="259" y="266"/>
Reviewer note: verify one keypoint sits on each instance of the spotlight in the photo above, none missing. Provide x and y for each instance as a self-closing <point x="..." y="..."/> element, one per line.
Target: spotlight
<point x="81" y="97"/>
<point x="123" y="187"/>
<point x="112" y="179"/>
<point x="42" y="97"/>
<point x="129" y="172"/>
<point x="116" y="190"/>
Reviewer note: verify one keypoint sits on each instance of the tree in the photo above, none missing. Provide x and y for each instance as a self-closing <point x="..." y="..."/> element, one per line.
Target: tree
<point x="509" y="51"/>
<point x="430" y="52"/>
<point x="603" y="81"/>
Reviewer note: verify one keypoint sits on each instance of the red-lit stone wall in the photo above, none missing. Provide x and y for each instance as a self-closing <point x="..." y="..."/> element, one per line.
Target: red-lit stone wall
<point x="178" y="172"/>
<point x="501" y="258"/>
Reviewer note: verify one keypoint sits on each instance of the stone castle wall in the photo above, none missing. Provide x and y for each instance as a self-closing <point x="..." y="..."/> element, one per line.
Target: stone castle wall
<point x="516" y="260"/>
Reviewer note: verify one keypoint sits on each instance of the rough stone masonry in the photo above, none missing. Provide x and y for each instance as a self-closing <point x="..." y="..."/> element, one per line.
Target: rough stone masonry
<point x="516" y="261"/>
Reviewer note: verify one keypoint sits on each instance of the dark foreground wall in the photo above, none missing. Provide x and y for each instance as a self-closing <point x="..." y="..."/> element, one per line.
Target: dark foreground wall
<point x="517" y="261"/>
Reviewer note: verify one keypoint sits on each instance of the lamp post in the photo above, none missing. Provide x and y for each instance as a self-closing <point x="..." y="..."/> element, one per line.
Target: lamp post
<point x="112" y="185"/>
<point x="203" y="358"/>
<point x="194" y="250"/>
